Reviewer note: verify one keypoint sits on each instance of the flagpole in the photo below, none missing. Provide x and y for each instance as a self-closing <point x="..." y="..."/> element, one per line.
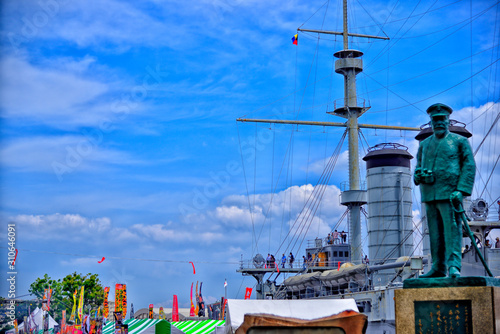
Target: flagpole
<point x="225" y="289"/>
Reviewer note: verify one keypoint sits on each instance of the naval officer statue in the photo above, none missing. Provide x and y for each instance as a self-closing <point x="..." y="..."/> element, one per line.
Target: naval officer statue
<point x="445" y="172"/>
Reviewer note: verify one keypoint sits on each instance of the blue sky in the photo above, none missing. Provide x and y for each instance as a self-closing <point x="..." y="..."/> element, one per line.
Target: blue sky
<point x="119" y="136"/>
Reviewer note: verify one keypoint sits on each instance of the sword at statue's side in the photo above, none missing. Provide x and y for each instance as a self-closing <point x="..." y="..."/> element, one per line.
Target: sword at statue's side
<point x="461" y="216"/>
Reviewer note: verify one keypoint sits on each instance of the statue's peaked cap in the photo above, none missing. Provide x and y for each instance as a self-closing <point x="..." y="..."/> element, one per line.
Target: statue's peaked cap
<point x="439" y="109"/>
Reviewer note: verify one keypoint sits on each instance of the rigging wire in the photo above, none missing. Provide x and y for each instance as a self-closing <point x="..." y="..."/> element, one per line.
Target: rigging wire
<point x="435" y="43"/>
<point x="248" y="193"/>
<point x="319" y="188"/>
<point x="311" y="212"/>
<point x="390" y="44"/>
<point x="437" y="94"/>
<point x="404" y="19"/>
<point x="87" y="256"/>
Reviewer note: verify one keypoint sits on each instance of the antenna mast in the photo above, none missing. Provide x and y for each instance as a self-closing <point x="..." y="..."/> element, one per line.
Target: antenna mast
<point x="349" y="64"/>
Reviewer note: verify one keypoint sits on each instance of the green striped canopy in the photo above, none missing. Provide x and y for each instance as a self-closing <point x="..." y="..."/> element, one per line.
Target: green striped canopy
<point x="198" y="327"/>
<point x="50" y="331"/>
<point x="135" y="326"/>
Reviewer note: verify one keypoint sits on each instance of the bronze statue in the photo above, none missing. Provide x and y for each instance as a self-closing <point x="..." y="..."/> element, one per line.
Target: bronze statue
<point x="445" y="172"/>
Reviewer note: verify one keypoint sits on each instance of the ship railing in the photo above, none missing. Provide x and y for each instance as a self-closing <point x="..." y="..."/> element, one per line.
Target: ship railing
<point x="321" y="242"/>
<point x="344" y="186"/>
<point x="343" y="103"/>
<point x="297" y="263"/>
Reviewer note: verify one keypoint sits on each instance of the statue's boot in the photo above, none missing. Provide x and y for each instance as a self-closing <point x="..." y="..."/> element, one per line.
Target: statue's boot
<point x="434" y="272"/>
<point x="454" y="272"/>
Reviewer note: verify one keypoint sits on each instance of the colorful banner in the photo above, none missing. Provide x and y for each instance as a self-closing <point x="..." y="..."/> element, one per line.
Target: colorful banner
<point x="162" y="314"/>
<point x="26" y="329"/>
<point x="49" y="296"/>
<point x="105" y="311"/>
<point x="63" y="321"/>
<point x="124" y="300"/>
<point x="73" y="310"/>
<point x="150" y="315"/>
<point x="15" y="326"/>
<point x="223" y="313"/>
<point x="196" y="309"/>
<point x="80" y="304"/>
<point x="248" y="293"/>
<point x="191" y="310"/>
<point x="201" y="304"/>
<point x="44" y="301"/>
<point x="118" y="322"/>
<point x="118" y="298"/>
<point x="175" y="310"/>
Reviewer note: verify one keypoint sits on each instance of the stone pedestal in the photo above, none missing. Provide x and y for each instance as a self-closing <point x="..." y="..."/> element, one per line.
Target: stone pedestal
<point x="449" y="308"/>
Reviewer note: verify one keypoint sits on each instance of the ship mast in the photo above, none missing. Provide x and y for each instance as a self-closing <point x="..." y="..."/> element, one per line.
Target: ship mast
<point x="349" y="64"/>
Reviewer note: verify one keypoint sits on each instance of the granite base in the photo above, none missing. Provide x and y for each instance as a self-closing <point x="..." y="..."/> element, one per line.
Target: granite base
<point x="448" y="310"/>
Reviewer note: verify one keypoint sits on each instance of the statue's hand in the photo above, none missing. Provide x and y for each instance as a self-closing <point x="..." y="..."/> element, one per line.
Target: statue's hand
<point x="456" y="197"/>
<point x="417" y="176"/>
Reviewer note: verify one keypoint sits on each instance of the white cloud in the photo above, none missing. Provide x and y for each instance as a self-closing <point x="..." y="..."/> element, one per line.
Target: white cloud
<point x="40" y="93"/>
<point x="62" y="154"/>
<point x="62" y="226"/>
<point x="160" y="233"/>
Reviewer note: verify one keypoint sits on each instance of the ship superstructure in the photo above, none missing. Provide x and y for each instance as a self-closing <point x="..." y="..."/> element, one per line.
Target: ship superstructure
<point x="338" y="269"/>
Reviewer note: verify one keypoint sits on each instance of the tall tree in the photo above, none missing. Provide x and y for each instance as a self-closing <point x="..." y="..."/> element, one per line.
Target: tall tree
<point x="62" y="292"/>
<point x="94" y="291"/>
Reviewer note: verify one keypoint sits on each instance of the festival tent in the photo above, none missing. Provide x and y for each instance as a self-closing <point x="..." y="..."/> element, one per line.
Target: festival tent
<point x="198" y="327"/>
<point x="143" y="326"/>
<point x="37" y="316"/>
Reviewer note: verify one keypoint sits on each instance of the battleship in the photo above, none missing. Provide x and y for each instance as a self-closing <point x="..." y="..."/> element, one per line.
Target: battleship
<point x="336" y="266"/>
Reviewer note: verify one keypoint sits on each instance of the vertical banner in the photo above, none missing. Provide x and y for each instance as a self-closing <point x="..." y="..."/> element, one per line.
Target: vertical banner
<point x="150" y="315"/>
<point x="15" y="326"/>
<point x="26" y="329"/>
<point x="248" y="293"/>
<point x="49" y="296"/>
<point x="44" y="301"/>
<point x="162" y="314"/>
<point x="124" y="300"/>
<point x="80" y="304"/>
<point x="201" y="303"/>
<point x="175" y="309"/>
<point x="45" y="322"/>
<point x="118" y="322"/>
<point x="191" y="310"/>
<point x="93" y="327"/>
<point x="63" y="321"/>
<point x="197" y="309"/>
<point x="73" y="310"/>
<point x="118" y="298"/>
<point x="223" y="302"/>
<point x="105" y="310"/>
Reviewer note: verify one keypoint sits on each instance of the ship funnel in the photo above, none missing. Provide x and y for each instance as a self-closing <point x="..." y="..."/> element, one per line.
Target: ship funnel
<point x="389" y="190"/>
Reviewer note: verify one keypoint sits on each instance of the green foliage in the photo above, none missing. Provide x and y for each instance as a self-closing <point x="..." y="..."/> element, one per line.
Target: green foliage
<point x="62" y="292"/>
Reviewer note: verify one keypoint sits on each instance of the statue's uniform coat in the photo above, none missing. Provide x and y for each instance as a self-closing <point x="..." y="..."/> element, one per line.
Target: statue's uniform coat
<point x="452" y="163"/>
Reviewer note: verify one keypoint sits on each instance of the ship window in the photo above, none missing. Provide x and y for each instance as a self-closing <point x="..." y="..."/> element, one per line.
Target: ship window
<point x="347" y="254"/>
<point x="341" y="254"/>
<point x="335" y="254"/>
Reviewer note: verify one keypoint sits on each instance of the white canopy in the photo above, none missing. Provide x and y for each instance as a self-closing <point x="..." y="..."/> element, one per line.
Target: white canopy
<point x="300" y="309"/>
<point x="38" y="318"/>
